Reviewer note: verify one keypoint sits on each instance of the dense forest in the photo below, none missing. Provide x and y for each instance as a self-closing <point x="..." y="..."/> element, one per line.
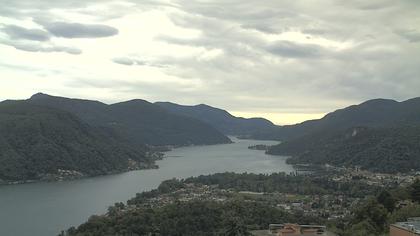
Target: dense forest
<point x="138" y="121"/>
<point x="378" y="135"/>
<point x="395" y="149"/>
<point x="37" y="141"/>
<point x="220" y="119"/>
<point x="50" y="138"/>
<point x="372" y="113"/>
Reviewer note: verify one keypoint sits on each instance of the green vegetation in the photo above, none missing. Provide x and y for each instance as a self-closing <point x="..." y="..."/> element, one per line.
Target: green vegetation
<point x="234" y="216"/>
<point x="390" y="150"/>
<point x="37" y="141"/>
<point x="137" y="121"/>
<point x="50" y="138"/>
<point x="317" y="183"/>
<point x="220" y="119"/>
<point x="185" y="218"/>
<point x="372" y="113"/>
<point x="378" y="135"/>
<point x="374" y="215"/>
<point x="152" y="213"/>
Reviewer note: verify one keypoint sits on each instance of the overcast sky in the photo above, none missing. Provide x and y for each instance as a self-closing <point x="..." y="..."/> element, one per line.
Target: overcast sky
<point x="287" y="61"/>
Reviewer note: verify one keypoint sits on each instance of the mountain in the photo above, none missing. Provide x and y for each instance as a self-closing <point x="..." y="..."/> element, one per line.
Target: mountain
<point x="137" y="121"/>
<point x="220" y="119"/>
<point x="379" y="135"/>
<point x="390" y="149"/>
<point x="372" y="113"/>
<point x="38" y="141"/>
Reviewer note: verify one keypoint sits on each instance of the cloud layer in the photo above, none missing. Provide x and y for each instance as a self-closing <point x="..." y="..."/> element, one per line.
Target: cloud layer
<point x="291" y="58"/>
<point x="77" y="30"/>
<point x="17" y="32"/>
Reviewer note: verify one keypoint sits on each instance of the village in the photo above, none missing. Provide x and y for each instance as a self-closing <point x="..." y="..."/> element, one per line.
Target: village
<point x="331" y="206"/>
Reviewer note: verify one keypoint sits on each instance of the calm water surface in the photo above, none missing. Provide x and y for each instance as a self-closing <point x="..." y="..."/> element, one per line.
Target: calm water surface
<point x="44" y="209"/>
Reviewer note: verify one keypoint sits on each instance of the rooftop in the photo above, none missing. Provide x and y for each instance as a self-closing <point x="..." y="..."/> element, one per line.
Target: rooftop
<point x="413" y="225"/>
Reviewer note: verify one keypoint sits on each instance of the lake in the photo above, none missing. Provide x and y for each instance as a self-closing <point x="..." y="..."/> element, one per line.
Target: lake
<point x="44" y="209"/>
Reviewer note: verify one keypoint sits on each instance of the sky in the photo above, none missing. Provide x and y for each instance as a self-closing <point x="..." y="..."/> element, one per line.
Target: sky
<point x="285" y="60"/>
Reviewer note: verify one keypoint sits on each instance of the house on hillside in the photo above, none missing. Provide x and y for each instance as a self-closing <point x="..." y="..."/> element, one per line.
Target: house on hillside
<point x="297" y="230"/>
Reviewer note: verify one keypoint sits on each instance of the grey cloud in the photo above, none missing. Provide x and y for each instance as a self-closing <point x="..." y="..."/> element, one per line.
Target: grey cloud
<point x="262" y="28"/>
<point x="23" y="9"/>
<point x="231" y="38"/>
<point x="237" y="10"/>
<point x="412" y="36"/>
<point x="369" y="5"/>
<point x="127" y="61"/>
<point x="314" y="31"/>
<point x="17" y="32"/>
<point x="36" y="47"/>
<point x="40" y="8"/>
<point x="320" y="80"/>
<point x="33" y="40"/>
<point x="124" y="61"/>
<point x="77" y="30"/>
<point x="253" y="64"/>
<point x="294" y="50"/>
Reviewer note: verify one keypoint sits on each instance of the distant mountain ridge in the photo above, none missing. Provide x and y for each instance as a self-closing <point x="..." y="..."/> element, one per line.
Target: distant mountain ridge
<point x="379" y="135"/>
<point x="372" y="113"/>
<point x="220" y="119"/>
<point x="138" y="121"/>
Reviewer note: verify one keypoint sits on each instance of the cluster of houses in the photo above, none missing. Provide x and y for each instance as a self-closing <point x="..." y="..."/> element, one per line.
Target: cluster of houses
<point x="325" y="206"/>
<point x="188" y="193"/>
<point x="297" y="230"/>
<point x="288" y="229"/>
<point x="62" y="175"/>
<point x="411" y="227"/>
<point x="375" y="179"/>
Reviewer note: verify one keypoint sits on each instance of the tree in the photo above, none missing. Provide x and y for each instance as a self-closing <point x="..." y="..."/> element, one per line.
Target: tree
<point x="235" y="227"/>
<point x="415" y="191"/>
<point x="404" y="213"/>
<point x="387" y="200"/>
<point x="364" y="228"/>
<point x="372" y="212"/>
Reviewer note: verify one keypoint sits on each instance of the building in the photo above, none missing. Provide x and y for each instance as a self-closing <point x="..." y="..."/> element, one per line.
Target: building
<point x="297" y="230"/>
<point x="408" y="228"/>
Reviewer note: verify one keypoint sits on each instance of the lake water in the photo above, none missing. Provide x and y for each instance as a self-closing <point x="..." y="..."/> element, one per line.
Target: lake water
<point x="44" y="209"/>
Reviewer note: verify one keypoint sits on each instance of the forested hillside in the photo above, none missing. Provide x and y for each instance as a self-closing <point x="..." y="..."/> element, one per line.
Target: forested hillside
<point x="37" y="141"/>
<point x="372" y="113"/>
<point x="220" y="119"/>
<point x="138" y="121"/>
<point x="393" y="149"/>
<point x="378" y="135"/>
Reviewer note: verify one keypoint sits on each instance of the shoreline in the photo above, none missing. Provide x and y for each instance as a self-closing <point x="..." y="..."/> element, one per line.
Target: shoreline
<point x="70" y="175"/>
<point x="158" y="153"/>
